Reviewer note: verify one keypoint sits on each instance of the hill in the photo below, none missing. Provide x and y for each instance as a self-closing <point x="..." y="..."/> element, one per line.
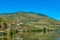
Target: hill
<point x="29" y="20"/>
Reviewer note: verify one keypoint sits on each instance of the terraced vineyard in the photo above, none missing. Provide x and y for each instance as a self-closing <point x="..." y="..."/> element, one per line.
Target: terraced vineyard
<point x="29" y="20"/>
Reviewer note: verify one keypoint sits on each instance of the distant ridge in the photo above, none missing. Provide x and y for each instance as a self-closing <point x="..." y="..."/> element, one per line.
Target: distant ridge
<point x="26" y="12"/>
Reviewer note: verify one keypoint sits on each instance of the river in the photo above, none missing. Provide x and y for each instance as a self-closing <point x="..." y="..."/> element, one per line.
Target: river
<point x="32" y="36"/>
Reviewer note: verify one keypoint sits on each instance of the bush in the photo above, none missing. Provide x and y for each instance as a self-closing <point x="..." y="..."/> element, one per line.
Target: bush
<point x="5" y="33"/>
<point x="13" y="32"/>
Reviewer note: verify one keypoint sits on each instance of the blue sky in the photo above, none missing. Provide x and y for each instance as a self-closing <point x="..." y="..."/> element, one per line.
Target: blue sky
<point x="48" y="7"/>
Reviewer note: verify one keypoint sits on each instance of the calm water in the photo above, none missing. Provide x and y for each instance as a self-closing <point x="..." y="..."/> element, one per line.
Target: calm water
<point x="41" y="36"/>
<point x="32" y="36"/>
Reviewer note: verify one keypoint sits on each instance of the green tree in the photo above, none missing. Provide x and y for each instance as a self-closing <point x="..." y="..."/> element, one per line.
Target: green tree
<point x="44" y="29"/>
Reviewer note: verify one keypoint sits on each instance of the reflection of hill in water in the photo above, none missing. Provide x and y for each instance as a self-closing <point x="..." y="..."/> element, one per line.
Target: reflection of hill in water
<point x="18" y="36"/>
<point x="31" y="36"/>
<point x="40" y="36"/>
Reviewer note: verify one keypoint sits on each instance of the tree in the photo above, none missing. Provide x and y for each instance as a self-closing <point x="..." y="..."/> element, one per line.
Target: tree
<point x="44" y="29"/>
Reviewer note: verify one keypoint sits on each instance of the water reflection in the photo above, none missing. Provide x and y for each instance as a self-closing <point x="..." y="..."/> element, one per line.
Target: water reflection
<point x="18" y="36"/>
<point x="40" y="36"/>
<point x="58" y="39"/>
<point x="32" y="36"/>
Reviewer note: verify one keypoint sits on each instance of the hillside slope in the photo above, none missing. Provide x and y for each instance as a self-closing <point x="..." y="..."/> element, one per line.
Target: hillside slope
<point x="30" y="20"/>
